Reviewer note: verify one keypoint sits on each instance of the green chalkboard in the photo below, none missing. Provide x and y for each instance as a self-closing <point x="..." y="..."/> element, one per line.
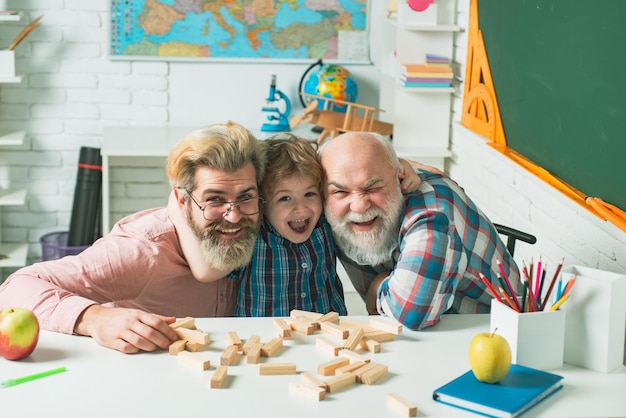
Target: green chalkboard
<point x="559" y="73"/>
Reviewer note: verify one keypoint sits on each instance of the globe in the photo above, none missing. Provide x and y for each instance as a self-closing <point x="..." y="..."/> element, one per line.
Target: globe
<point x="333" y="81"/>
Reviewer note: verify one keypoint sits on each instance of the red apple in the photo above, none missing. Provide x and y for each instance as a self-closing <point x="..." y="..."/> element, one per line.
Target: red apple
<point x="19" y="333"/>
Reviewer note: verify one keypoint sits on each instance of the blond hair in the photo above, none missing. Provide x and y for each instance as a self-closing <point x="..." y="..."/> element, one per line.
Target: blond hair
<point x="287" y="156"/>
<point x="227" y="147"/>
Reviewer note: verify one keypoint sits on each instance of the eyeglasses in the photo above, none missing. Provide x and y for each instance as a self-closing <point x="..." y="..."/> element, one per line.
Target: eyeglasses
<point x="216" y="210"/>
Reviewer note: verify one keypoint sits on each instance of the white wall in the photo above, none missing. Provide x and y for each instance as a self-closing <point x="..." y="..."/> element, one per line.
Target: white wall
<point x="71" y="90"/>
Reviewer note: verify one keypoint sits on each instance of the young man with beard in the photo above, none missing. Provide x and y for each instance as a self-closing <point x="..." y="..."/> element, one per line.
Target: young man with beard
<point x="412" y="257"/>
<point x="127" y="288"/>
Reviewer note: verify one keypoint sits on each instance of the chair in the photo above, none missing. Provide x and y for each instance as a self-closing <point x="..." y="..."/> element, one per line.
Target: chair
<point x="513" y="235"/>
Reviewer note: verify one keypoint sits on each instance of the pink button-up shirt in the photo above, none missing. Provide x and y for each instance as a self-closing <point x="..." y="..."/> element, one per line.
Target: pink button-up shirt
<point x="140" y="264"/>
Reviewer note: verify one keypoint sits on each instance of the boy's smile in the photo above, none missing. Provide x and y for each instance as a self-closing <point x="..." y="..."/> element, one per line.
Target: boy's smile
<point x="295" y="208"/>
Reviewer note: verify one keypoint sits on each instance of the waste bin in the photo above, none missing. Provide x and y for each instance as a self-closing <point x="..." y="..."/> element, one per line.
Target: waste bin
<point x="54" y="246"/>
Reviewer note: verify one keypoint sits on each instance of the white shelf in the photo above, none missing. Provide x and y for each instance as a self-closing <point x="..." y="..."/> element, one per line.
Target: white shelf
<point x="12" y="197"/>
<point x="12" y="138"/>
<point x="429" y="90"/>
<point x="16" y="253"/>
<point x="9" y="80"/>
<point x="424" y="28"/>
<point x="421" y="116"/>
<point x="11" y="18"/>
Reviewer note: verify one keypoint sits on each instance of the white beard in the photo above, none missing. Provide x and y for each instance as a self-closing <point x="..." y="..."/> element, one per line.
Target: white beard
<point x="371" y="247"/>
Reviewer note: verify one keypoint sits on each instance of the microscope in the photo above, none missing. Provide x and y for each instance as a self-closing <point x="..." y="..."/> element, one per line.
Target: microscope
<point x="277" y="121"/>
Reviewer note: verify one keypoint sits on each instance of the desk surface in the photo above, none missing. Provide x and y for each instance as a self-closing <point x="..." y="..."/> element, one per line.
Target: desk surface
<point x="101" y="382"/>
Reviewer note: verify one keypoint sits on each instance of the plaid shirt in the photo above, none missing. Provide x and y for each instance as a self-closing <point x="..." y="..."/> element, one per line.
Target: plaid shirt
<point x="283" y="275"/>
<point x="443" y="243"/>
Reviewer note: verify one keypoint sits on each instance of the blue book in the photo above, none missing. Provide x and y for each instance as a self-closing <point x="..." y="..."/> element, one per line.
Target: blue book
<point x="521" y="389"/>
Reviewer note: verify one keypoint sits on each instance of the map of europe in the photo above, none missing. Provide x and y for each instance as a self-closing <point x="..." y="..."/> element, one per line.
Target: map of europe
<point x="256" y="29"/>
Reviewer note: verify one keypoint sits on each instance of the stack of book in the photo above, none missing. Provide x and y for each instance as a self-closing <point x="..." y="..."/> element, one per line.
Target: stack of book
<point x="435" y="73"/>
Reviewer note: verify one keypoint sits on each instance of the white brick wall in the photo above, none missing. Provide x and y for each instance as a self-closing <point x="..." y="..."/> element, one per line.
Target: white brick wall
<point x="71" y="90"/>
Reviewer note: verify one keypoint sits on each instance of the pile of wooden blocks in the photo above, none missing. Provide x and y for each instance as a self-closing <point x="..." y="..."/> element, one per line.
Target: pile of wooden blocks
<point x="348" y="367"/>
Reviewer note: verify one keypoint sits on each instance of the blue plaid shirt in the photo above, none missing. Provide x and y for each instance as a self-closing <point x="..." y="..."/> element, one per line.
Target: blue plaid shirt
<point x="443" y="243"/>
<point x="283" y="275"/>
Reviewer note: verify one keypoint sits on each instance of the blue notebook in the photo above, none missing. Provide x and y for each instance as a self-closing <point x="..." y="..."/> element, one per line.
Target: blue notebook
<point x="521" y="389"/>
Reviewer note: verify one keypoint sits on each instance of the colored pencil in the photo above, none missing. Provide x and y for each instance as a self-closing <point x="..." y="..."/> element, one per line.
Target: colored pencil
<point x="490" y="287"/>
<point x="509" y="288"/>
<point x="549" y="291"/>
<point x="508" y="299"/>
<point x="538" y="278"/>
<point x="559" y="302"/>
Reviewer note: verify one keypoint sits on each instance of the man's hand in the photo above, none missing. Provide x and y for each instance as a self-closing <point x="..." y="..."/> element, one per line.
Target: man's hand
<point x="409" y="180"/>
<point x="371" y="296"/>
<point x="126" y="330"/>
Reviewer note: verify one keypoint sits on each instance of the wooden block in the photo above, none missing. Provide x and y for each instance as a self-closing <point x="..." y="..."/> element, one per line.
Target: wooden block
<point x="312" y="379"/>
<point x="250" y="342"/>
<point x="379" y="335"/>
<point x="192" y="335"/>
<point x="176" y="347"/>
<point x="307" y="390"/>
<point x="270" y="348"/>
<point x="356" y="335"/>
<point x="282" y="327"/>
<point x="327" y="345"/>
<point x="305" y="315"/>
<point x="219" y="377"/>
<point x="277" y="368"/>
<point x="334" y="329"/>
<point x="185" y="357"/>
<point x="401" y="405"/>
<point x="194" y="347"/>
<point x="228" y="355"/>
<point x="254" y="353"/>
<point x="328" y="368"/>
<point x="302" y="327"/>
<point x="187" y="322"/>
<point x="233" y="339"/>
<point x="350" y="368"/>
<point x="370" y="345"/>
<point x="359" y="372"/>
<point x="337" y="383"/>
<point x="371" y="376"/>
<point x="353" y="356"/>
<point x="353" y="323"/>
<point x="386" y="324"/>
<point x="311" y="318"/>
<point x="330" y="317"/>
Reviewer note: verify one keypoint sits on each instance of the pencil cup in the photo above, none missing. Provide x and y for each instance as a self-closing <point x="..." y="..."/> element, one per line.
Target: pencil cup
<point x="536" y="338"/>
<point x="596" y="319"/>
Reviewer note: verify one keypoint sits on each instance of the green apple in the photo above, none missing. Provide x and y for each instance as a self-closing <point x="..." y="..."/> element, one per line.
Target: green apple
<point x="19" y="333"/>
<point x="489" y="357"/>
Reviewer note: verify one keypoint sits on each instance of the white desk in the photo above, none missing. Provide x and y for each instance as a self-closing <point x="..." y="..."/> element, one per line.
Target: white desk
<point x="104" y="383"/>
<point x="148" y="142"/>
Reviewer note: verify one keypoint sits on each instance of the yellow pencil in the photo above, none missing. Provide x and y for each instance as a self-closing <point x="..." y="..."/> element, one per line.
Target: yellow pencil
<point x="559" y="302"/>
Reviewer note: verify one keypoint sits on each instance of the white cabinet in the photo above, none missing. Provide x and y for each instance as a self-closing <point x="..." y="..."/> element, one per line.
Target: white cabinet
<point x="421" y="116"/>
<point x="12" y="254"/>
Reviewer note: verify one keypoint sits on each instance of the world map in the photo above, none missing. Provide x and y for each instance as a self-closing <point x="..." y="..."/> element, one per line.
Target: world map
<point x="256" y="29"/>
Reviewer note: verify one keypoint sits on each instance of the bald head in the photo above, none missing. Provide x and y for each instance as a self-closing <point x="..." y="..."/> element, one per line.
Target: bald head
<point x="358" y="152"/>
